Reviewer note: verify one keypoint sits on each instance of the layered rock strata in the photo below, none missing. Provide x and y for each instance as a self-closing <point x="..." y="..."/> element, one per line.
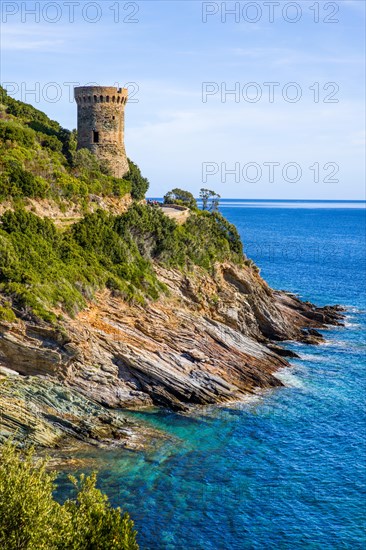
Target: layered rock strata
<point x="210" y="339"/>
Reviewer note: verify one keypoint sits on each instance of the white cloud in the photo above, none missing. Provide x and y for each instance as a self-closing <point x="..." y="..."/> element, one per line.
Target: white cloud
<point x="21" y="37"/>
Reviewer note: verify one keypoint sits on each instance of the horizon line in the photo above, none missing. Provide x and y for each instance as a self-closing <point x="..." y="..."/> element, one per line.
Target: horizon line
<point x="278" y="200"/>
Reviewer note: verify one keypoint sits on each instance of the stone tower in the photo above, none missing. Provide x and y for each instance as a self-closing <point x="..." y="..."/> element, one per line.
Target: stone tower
<point x="101" y="124"/>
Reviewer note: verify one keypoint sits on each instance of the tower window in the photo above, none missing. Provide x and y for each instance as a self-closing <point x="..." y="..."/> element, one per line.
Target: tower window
<point x="95" y="137"/>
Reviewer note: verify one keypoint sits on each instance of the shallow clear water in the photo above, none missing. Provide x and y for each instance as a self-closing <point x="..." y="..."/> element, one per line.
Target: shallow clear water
<point x="285" y="469"/>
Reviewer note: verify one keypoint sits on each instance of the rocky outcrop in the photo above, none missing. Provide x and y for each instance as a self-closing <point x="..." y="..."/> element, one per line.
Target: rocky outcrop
<point x="209" y="339"/>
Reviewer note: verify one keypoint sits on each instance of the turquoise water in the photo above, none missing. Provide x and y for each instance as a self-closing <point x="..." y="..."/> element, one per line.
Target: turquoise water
<point x="286" y="469"/>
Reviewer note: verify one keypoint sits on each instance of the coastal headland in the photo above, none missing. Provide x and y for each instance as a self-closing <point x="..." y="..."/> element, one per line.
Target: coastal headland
<point x="109" y="302"/>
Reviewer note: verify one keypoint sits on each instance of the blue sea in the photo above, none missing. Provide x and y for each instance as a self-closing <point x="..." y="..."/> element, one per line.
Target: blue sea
<point x="284" y="469"/>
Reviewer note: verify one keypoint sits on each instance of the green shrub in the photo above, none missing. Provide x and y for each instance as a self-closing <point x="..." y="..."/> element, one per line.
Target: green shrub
<point x="27" y="223"/>
<point x="7" y="314"/>
<point x="69" y="143"/>
<point x="94" y="523"/>
<point x="25" y="184"/>
<point x="85" y="163"/>
<point x="120" y="187"/>
<point x="13" y="131"/>
<point x="51" y="142"/>
<point x="31" y="519"/>
<point x="139" y="184"/>
<point x="16" y="182"/>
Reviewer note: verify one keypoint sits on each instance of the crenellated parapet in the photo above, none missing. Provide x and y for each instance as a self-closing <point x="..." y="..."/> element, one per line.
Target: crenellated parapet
<point x="100" y="94"/>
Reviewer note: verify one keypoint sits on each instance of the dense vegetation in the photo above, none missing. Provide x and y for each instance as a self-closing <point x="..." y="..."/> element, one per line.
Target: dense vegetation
<point x="38" y="159"/>
<point x="31" y="519"/>
<point x="43" y="269"/>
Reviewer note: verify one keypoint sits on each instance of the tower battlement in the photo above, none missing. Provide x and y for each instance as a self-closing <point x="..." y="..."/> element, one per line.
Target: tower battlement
<point x="101" y="121"/>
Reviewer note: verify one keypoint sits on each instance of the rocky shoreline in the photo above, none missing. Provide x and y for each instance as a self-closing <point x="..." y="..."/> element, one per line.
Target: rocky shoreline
<point x="211" y="339"/>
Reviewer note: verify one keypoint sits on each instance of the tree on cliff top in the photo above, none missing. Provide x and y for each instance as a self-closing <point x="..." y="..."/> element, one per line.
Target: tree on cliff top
<point x="210" y="199"/>
<point x="31" y="519"/>
<point x="180" y="197"/>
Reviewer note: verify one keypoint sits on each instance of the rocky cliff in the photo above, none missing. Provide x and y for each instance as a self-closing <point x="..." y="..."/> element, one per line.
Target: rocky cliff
<point x="210" y="339"/>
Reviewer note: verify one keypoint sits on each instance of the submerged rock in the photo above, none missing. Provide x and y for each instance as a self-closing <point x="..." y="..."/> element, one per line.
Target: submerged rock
<point x="44" y="412"/>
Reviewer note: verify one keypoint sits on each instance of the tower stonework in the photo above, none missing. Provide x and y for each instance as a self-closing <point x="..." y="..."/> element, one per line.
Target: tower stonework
<point x="101" y="124"/>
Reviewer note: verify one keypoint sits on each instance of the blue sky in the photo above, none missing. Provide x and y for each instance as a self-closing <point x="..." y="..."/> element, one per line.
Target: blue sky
<point x="169" y="53"/>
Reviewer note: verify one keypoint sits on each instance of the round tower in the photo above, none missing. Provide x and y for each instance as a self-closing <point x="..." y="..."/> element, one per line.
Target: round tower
<point x="101" y="124"/>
